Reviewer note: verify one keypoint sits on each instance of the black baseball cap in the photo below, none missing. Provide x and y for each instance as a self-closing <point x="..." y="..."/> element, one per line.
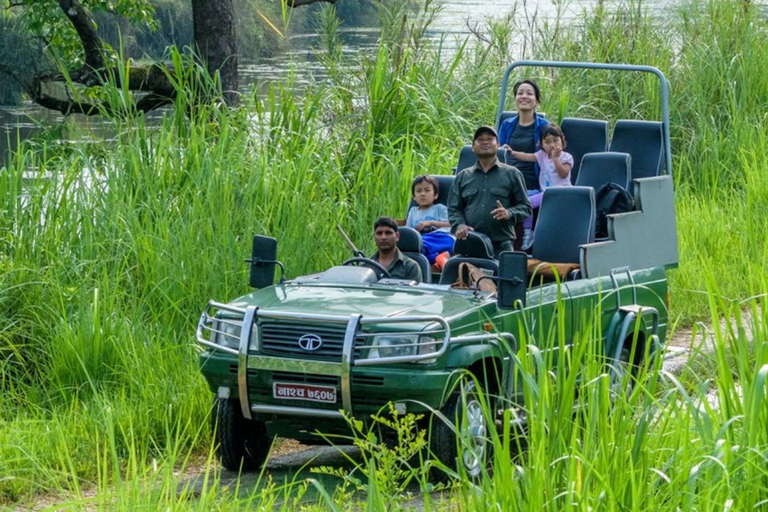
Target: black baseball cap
<point x="485" y="129"/>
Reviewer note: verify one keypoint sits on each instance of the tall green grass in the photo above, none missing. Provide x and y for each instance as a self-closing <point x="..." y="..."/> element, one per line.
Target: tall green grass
<point x="109" y="250"/>
<point x="663" y="446"/>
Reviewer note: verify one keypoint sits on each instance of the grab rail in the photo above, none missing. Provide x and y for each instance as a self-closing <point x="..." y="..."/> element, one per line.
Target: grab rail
<point x="607" y="67"/>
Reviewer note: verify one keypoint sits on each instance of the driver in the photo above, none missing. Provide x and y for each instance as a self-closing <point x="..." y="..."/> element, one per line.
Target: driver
<point x="399" y="266"/>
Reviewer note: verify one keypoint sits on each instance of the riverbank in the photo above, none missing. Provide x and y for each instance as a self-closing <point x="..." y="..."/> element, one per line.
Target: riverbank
<point x="110" y="252"/>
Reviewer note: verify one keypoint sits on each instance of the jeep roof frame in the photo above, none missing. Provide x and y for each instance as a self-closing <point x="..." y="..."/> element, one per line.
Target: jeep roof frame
<point x="647" y="236"/>
<point x="598" y="66"/>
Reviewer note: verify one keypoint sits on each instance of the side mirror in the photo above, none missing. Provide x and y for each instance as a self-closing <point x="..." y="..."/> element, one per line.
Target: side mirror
<point x="263" y="261"/>
<point x="513" y="271"/>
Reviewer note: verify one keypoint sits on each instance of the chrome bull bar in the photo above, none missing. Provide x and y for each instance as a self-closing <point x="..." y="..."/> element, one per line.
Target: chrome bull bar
<point x="249" y="346"/>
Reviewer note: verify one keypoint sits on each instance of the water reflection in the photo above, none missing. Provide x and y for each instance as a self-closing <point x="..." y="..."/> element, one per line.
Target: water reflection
<point x="18" y="123"/>
<point x="300" y="60"/>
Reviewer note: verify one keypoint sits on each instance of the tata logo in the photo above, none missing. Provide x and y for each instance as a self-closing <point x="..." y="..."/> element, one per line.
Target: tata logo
<point x="310" y="342"/>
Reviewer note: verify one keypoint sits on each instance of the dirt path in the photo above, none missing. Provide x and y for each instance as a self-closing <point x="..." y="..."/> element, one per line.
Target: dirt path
<point x="682" y="342"/>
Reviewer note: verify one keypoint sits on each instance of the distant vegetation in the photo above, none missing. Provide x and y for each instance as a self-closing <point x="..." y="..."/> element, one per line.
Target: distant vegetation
<point x="110" y="249"/>
<point x="255" y="37"/>
<point x="12" y="52"/>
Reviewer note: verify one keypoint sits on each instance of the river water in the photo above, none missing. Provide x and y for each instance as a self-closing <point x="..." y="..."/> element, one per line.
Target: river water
<point x="454" y="22"/>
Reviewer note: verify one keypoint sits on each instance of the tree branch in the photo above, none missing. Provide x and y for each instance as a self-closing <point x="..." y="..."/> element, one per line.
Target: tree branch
<point x="151" y="78"/>
<point x="86" y="30"/>
<point x="475" y="31"/>
<point x="67" y="106"/>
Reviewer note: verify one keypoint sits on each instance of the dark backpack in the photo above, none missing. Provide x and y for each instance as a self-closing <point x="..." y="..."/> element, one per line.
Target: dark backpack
<point x="610" y="198"/>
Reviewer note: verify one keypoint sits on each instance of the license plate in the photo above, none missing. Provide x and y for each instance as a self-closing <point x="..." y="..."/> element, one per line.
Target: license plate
<point x="290" y="391"/>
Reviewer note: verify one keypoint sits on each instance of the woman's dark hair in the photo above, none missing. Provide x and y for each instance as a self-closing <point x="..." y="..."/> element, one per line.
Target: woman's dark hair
<point x="536" y="90"/>
<point x="429" y="179"/>
<point x="388" y="222"/>
<point x="552" y="129"/>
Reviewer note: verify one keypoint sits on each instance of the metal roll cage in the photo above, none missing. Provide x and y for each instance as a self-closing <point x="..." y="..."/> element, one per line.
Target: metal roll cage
<point x="608" y="67"/>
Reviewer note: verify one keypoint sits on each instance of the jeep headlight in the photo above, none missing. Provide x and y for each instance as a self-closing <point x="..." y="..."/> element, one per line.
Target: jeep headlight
<point x="393" y="345"/>
<point x="227" y="333"/>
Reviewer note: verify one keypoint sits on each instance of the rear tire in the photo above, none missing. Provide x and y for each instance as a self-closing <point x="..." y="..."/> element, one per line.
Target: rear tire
<point x="620" y="370"/>
<point x="241" y="444"/>
<point x="465" y="444"/>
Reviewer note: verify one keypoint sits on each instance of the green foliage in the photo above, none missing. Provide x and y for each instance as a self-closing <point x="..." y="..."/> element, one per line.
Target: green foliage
<point x="46" y="20"/>
<point x="661" y="445"/>
<point x="17" y="53"/>
<point x="393" y="450"/>
<point x="129" y="29"/>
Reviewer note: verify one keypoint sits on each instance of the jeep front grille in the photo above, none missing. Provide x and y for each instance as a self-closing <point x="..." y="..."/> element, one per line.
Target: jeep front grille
<point x="272" y="338"/>
<point x="282" y="338"/>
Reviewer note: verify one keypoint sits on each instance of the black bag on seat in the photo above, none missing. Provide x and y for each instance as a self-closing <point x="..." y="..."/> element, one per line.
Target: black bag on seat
<point x="610" y="198"/>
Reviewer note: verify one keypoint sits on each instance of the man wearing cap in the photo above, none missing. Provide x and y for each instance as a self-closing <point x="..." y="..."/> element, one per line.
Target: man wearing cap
<point x="488" y="197"/>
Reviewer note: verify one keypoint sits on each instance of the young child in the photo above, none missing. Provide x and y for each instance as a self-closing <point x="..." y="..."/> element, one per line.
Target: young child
<point x="430" y="218"/>
<point x="555" y="171"/>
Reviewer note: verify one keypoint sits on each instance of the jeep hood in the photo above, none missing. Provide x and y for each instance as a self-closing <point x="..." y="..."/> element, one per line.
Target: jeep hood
<point x="368" y="300"/>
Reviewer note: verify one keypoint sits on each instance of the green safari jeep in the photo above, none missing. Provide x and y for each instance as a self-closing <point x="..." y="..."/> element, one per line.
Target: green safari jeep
<point x="293" y="358"/>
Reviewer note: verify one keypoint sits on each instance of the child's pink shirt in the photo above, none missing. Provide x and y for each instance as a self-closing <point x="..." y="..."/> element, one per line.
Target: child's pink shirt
<point x="547" y="168"/>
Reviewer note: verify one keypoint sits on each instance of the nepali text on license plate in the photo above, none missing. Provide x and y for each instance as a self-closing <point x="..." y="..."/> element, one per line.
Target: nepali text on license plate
<point x="289" y="391"/>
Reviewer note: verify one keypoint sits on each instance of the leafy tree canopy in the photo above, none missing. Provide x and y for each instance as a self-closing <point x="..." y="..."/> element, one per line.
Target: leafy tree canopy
<point x="48" y="22"/>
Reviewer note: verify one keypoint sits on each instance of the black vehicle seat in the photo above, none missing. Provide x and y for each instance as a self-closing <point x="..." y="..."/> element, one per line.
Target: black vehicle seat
<point x="597" y="169"/>
<point x="476" y="249"/>
<point x="410" y="245"/>
<point x="512" y="113"/>
<point x="504" y="116"/>
<point x="451" y="270"/>
<point x="583" y="136"/>
<point x="566" y="221"/>
<point x="644" y="140"/>
<point x="476" y="245"/>
<point x="467" y="158"/>
<point x="444" y="183"/>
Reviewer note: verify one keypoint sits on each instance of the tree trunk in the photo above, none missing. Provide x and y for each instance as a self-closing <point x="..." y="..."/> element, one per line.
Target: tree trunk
<point x="214" y="29"/>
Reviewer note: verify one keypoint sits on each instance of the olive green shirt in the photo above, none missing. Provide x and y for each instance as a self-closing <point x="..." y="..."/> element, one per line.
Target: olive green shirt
<point x="474" y="194"/>
<point x="402" y="267"/>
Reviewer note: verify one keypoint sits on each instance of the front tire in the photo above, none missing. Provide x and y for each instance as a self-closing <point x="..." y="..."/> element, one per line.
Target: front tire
<point x="461" y="439"/>
<point x="241" y="444"/>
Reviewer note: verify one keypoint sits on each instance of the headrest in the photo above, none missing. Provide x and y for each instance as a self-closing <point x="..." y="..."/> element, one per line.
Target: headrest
<point x="444" y="183"/>
<point x="410" y="240"/>
<point x="476" y="245"/>
<point x="608" y="158"/>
